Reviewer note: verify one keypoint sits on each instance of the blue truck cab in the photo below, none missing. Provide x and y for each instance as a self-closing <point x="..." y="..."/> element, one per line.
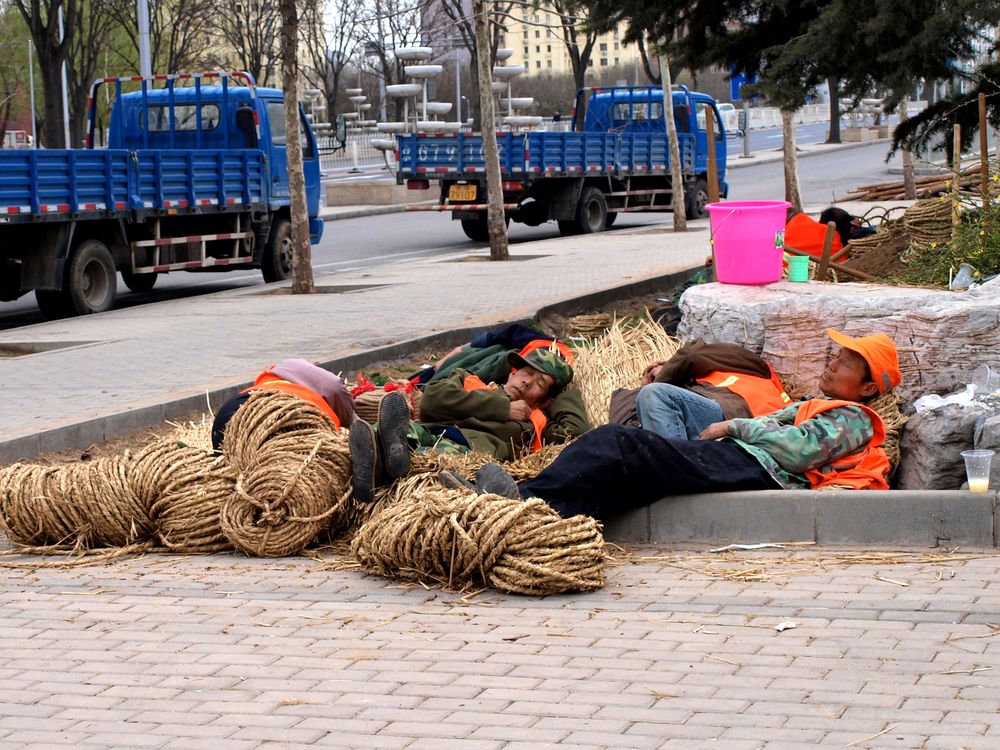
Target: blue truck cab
<point x="194" y="178"/>
<point x="616" y="159"/>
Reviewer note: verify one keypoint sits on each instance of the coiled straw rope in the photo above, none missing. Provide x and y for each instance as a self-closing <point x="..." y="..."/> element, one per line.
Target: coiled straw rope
<point x="280" y="483"/>
<point x="77" y="505"/>
<point x="458" y="538"/>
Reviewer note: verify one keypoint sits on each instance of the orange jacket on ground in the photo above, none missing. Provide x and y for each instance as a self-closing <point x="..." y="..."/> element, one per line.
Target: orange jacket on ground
<point x="537" y="416"/>
<point x="807" y="235"/>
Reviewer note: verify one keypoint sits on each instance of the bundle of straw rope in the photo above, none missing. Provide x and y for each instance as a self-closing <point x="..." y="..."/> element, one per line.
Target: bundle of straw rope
<point x="616" y="360"/>
<point x="366" y="403"/>
<point x="887" y="407"/>
<point x="928" y="222"/>
<point x="73" y="506"/>
<point x="457" y="539"/>
<point x="292" y="472"/>
<point x="281" y="482"/>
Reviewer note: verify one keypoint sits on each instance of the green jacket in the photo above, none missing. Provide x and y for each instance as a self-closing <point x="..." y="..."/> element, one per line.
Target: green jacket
<point x="481" y="415"/>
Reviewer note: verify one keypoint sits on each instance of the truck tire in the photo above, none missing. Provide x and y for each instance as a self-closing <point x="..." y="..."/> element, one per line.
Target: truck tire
<point x="276" y="265"/>
<point x="696" y="198"/>
<point x="91" y="280"/>
<point x="139" y="282"/>
<point x="591" y="212"/>
<point x="478" y="229"/>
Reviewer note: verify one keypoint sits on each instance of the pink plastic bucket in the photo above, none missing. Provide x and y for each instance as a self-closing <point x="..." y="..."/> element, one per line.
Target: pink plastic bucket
<point x="747" y="237"/>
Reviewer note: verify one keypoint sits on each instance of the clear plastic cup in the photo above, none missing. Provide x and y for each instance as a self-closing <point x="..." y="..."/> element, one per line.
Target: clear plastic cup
<point x="986" y="379"/>
<point x="977" y="469"/>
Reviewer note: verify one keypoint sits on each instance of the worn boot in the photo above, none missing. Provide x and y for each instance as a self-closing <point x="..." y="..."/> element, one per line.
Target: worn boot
<point x="393" y="421"/>
<point x="493" y="479"/>
<point x="367" y="472"/>
<point x="455" y="481"/>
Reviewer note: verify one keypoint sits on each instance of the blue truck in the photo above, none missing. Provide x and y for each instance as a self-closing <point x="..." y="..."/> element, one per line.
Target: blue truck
<point x="615" y="160"/>
<point x="194" y="178"/>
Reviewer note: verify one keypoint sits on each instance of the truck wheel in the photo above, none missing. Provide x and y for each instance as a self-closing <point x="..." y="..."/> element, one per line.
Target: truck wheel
<point x="696" y="198"/>
<point x="139" y="282"/>
<point x="478" y="229"/>
<point x="591" y="211"/>
<point x="567" y="227"/>
<point x="53" y="304"/>
<point x="91" y="279"/>
<point x="276" y="265"/>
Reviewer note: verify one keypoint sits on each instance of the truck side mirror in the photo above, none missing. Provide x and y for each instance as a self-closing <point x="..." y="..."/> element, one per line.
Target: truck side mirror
<point x="340" y="132"/>
<point x="245" y="122"/>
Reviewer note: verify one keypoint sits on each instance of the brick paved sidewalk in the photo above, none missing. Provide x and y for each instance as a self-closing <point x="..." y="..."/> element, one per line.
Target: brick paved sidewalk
<point x="227" y="652"/>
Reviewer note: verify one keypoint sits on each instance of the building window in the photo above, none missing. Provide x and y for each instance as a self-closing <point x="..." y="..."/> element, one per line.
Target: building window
<point x="617" y="61"/>
<point x="548" y="47"/>
<point x="538" y="63"/>
<point x="538" y="48"/>
<point x="538" y="33"/>
<point x="604" y="62"/>
<point x="548" y="32"/>
<point x="604" y="47"/>
<point x="616" y="46"/>
<point x="548" y="63"/>
<point x="525" y="51"/>
<point x="525" y="33"/>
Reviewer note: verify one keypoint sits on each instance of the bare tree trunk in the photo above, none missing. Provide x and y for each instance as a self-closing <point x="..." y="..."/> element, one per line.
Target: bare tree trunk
<point x="909" y="183"/>
<point x="676" y="173"/>
<point x="302" y="275"/>
<point x="791" y="162"/>
<point x="491" y="154"/>
<point x="833" y="84"/>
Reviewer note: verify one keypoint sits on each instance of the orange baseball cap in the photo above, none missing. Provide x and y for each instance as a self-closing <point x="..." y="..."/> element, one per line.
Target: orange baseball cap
<point x="879" y="352"/>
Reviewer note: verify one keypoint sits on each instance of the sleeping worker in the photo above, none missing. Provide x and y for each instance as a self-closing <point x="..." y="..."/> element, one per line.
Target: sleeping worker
<point x="700" y="384"/>
<point x="463" y="413"/>
<point x="834" y="441"/>
<point x="302" y="379"/>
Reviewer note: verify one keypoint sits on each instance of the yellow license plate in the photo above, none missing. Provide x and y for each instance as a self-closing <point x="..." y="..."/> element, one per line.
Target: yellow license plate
<point x="462" y="193"/>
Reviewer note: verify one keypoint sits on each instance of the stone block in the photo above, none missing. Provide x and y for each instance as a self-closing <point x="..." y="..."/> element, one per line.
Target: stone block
<point x="942" y="336"/>
<point x="932" y="444"/>
<point x="926" y="518"/>
<point x="766" y="516"/>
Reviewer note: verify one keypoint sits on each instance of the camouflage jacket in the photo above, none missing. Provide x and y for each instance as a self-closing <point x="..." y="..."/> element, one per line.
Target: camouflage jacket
<point x="787" y="451"/>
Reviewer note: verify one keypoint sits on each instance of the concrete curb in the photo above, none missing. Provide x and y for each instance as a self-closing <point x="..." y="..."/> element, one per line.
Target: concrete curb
<point x="931" y="518"/>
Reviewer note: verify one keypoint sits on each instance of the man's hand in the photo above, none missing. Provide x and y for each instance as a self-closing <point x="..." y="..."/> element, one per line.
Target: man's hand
<point x="715" y="431"/>
<point x="651" y="371"/>
<point x="519" y="411"/>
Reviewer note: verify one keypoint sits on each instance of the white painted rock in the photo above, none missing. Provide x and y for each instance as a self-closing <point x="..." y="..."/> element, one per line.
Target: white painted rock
<point x="942" y="336"/>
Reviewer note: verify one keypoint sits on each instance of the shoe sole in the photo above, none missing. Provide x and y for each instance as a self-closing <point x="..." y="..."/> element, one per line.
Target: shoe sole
<point x="362" y="444"/>
<point x="393" y="422"/>
<point x="492" y="479"/>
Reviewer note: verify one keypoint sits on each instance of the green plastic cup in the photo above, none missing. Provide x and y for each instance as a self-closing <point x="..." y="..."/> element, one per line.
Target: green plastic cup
<point x="798" y="268"/>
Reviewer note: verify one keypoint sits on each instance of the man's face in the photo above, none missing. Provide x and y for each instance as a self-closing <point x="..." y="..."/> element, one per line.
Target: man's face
<point x="528" y="385"/>
<point x="846" y="377"/>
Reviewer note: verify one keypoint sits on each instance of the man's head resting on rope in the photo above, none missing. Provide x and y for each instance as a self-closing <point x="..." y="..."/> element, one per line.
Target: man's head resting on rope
<point x="863" y="369"/>
<point x="538" y="377"/>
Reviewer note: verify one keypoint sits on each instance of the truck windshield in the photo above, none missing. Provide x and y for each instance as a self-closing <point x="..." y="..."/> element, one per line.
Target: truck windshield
<point x="185" y="117"/>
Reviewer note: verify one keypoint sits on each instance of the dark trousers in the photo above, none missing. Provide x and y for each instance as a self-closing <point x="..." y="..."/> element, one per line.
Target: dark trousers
<point x="615" y="468"/>
<point x="222" y="417"/>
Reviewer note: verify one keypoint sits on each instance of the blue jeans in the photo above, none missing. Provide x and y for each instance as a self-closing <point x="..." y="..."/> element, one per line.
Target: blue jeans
<point x="674" y="412"/>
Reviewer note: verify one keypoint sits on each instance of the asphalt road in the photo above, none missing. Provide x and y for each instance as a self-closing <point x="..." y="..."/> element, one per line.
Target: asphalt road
<point x="394" y="238"/>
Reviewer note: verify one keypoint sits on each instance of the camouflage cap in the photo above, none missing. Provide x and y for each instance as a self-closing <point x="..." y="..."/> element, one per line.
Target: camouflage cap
<point x="547" y="361"/>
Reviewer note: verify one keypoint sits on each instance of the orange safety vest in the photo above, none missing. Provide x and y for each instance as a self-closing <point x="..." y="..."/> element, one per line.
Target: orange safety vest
<point x="807" y="235"/>
<point x="268" y="381"/>
<point x="865" y="469"/>
<point x="537" y="416"/>
<point x="762" y="395"/>
<point x="564" y="351"/>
